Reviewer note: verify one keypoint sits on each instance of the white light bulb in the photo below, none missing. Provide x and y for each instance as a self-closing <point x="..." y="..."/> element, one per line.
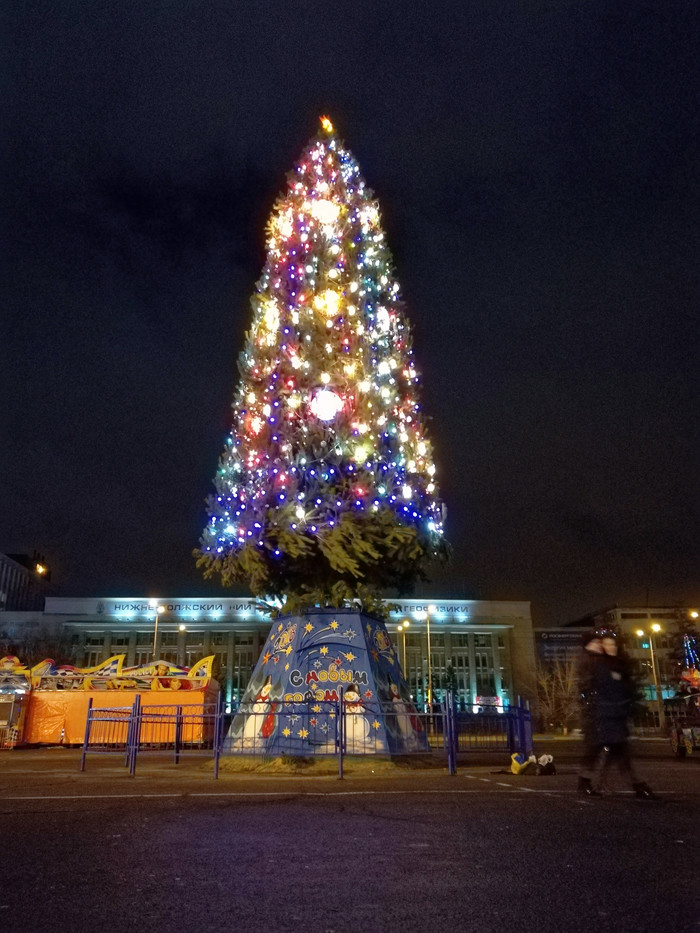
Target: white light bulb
<point x="324" y="211"/>
<point x="325" y="405"/>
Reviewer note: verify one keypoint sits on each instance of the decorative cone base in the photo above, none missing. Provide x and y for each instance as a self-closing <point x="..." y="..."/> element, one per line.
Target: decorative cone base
<point x="290" y="706"/>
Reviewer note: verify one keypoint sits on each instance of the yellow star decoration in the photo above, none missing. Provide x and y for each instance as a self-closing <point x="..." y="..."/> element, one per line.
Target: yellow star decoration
<point x="286" y="732"/>
<point x="324" y="650"/>
<point x="280" y="627"/>
<point x="266" y="657"/>
<point x="333" y="625"/>
<point x="288" y="650"/>
<point x="302" y="733"/>
<point x="350" y="656"/>
<point x="316" y="709"/>
<point x="286" y="666"/>
<point x="375" y="724"/>
<point x="308" y="627"/>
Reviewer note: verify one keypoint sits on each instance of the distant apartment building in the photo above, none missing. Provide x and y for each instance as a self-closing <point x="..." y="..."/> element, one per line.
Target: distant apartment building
<point x="650" y="636"/>
<point x="24" y="582"/>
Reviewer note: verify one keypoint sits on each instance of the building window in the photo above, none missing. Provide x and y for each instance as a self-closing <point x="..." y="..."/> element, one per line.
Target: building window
<point x="245" y="638"/>
<point x="485" y="683"/>
<point x="243" y="665"/>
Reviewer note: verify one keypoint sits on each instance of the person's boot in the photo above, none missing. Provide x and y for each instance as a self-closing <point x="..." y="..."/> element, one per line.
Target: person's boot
<point x="644" y="791"/>
<point x="586" y="788"/>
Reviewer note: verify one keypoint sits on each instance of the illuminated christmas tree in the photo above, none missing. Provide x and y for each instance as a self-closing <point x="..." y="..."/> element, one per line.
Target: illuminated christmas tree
<point x="326" y="489"/>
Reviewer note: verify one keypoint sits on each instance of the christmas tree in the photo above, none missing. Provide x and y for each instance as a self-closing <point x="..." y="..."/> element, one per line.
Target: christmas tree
<point x="326" y="490"/>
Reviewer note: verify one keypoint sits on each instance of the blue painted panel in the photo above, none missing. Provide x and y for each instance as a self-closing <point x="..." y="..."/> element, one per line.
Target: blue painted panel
<point x="290" y="706"/>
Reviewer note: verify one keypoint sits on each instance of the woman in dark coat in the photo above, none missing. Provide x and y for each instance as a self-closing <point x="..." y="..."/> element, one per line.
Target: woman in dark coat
<point x="608" y="693"/>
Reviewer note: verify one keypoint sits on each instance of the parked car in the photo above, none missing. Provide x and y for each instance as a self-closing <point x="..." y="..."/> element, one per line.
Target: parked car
<point x="683" y="718"/>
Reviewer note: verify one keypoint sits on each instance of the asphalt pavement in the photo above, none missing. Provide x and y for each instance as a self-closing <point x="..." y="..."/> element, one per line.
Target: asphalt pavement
<point x="484" y="850"/>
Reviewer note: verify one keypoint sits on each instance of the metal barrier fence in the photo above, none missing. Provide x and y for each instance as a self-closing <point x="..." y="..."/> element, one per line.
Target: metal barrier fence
<point x="182" y="730"/>
<point x="508" y="730"/>
<point x="335" y="728"/>
<point x="324" y="729"/>
<point x="315" y="726"/>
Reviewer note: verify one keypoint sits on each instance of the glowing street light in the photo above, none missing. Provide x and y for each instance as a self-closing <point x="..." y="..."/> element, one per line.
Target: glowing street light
<point x="655" y="629"/>
<point x="402" y="628"/>
<point x="425" y="614"/>
<point x="158" y="610"/>
<point x="181" y="648"/>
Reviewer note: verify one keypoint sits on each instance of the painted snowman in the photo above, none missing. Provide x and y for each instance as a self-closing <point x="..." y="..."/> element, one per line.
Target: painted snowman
<point x="356" y="724"/>
<point x="259" y="722"/>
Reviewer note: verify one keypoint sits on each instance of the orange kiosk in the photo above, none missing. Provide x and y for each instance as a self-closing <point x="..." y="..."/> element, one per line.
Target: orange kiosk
<point x="59" y="700"/>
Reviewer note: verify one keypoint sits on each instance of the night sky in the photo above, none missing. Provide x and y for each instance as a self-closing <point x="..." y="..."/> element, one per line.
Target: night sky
<point x="536" y="164"/>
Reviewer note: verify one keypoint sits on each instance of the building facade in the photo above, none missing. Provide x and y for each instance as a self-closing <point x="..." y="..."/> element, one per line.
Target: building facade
<point x="483" y="650"/>
<point x="24" y="582"/>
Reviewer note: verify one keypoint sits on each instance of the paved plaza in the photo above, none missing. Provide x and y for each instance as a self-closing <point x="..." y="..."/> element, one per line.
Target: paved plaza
<point x="174" y="849"/>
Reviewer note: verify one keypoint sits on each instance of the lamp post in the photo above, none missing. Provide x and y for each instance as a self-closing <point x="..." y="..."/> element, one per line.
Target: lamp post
<point x="401" y="627"/>
<point x="425" y="614"/>
<point x="655" y="628"/>
<point x="158" y="610"/>
<point x="182" y="646"/>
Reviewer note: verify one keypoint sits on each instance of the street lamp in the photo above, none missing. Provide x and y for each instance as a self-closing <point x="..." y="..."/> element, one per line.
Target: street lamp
<point x="158" y="610"/>
<point x="425" y="614"/>
<point x="655" y="628"/>
<point x="181" y="647"/>
<point x="402" y="628"/>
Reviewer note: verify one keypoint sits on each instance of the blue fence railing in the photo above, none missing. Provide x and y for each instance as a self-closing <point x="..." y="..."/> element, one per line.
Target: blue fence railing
<point x="322" y="729"/>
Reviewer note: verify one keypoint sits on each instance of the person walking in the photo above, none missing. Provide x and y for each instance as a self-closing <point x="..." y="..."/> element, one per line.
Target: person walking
<point x="588" y="678"/>
<point x="608" y="692"/>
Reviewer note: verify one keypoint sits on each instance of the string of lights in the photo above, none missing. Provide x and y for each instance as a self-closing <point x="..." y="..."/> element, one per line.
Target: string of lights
<point x="327" y="420"/>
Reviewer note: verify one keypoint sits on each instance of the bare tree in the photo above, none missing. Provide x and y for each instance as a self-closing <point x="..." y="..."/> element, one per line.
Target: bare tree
<point x="558" y="694"/>
<point x="35" y="641"/>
